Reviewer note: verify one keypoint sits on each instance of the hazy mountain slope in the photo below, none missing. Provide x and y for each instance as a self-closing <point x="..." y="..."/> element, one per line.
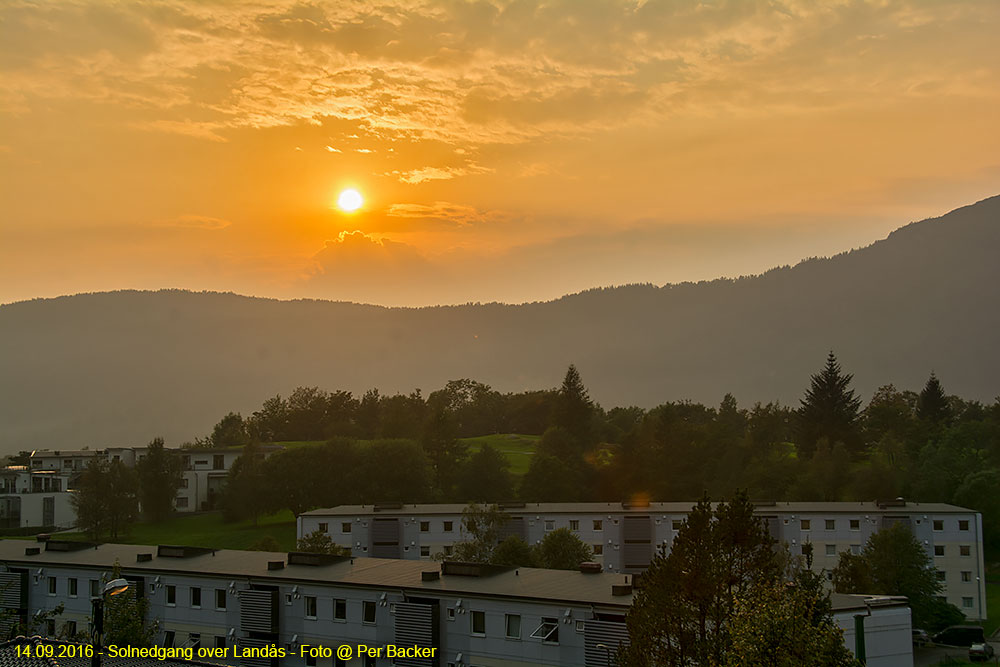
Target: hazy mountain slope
<point x="120" y="368"/>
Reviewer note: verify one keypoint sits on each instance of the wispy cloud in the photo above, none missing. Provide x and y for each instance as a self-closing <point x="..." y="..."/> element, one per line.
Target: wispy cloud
<point x="195" y="222"/>
<point x="415" y="176"/>
<point x="448" y="212"/>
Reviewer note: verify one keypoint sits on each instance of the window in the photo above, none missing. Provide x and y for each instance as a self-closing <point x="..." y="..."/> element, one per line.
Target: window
<point x="194" y="640"/>
<point x="598" y="549"/>
<point x="964" y="550"/>
<point x="311" y="660"/>
<point x="52" y="585"/>
<point x="425" y="526"/>
<point x="574" y="524"/>
<point x="940" y="575"/>
<point x="967" y="603"/>
<point x="168" y="639"/>
<point x="448" y="549"/>
<point x="512" y="626"/>
<point x="345" y="527"/>
<point x="963" y="524"/>
<point x="184" y="482"/>
<point x="220" y="642"/>
<point x="195" y="597"/>
<point x="966" y="576"/>
<point x="806" y="524"/>
<point x="220" y="598"/>
<point x="831" y="550"/>
<point x="171" y="595"/>
<point x="938" y="549"/>
<point x="855" y="524"/>
<point x="547" y="631"/>
<point x="478" y="619"/>
<point x="831" y="524"/>
<point x="598" y="524"/>
<point x="324" y="527"/>
<point x="201" y="462"/>
<point x="581" y="626"/>
<point x="67" y="463"/>
<point x="856" y="549"/>
<point x="72" y="583"/>
<point x="340" y="610"/>
<point x="182" y="501"/>
<point x="425" y="552"/>
<point x="93" y="588"/>
<point x="218" y="462"/>
<point x="938" y="524"/>
<point x="310" y="606"/>
<point x="448" y="526"/>
<point x="451" y="613"/>
<point x="368" y="615"/>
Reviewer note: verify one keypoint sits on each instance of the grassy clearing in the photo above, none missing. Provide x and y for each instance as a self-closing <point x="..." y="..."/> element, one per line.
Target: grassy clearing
<point x="209" y="530"/>
<point x="517" y="448"/>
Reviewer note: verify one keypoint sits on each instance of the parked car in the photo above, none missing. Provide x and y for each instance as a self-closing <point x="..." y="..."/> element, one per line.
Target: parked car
<point x="920" y="637"/>
<point x="980" y="652"/>
<point x="960" y="635"/>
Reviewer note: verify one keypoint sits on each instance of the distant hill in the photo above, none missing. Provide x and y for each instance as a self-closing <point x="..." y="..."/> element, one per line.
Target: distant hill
<point x="120" y="368"/>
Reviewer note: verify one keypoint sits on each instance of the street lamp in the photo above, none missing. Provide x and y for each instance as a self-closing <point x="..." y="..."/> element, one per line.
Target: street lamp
<point x="607" y="652"/>
<point x="113" y="587"/>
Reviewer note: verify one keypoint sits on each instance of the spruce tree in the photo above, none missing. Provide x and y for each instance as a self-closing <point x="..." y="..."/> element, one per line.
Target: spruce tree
<point x="574" y="409"/>
<point x="830" y="410"/>
<point x="932" y="406"/>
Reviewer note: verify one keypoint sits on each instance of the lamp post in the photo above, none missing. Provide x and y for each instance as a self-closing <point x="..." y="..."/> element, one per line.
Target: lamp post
<point x="607" y="652"/>
<point x="113" y="587"/>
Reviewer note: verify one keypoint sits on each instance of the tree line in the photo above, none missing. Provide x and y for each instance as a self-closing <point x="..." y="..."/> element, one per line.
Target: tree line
<point x="924" y="445"/>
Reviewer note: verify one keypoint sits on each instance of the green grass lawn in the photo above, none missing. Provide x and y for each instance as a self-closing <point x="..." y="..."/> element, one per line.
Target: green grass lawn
<point x="209" y="530"/>
<point x="992" y="605"/>
<point x="517" y="448"/>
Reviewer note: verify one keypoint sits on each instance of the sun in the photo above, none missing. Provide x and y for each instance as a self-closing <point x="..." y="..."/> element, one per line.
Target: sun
<point x="349" y="200"/>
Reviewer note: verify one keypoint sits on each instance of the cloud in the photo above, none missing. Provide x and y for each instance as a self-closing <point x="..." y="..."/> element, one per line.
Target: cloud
<point x="446" y="211"/>
<point x="196" y="222"/>
<point x="481" y="73"/>
<point x="416" y="176"/>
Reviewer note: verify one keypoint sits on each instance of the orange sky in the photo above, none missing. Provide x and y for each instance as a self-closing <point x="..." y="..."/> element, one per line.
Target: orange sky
<point x="507" y="150"/>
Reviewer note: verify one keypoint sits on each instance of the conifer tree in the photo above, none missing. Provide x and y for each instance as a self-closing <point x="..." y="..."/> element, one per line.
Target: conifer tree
<point x="574" y="409"/>
<point x="830" y="410"/>
<point x="932" y="406"/>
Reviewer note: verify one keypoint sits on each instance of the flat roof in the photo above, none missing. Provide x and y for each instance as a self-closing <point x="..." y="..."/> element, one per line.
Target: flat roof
<point x="426" y="509"/>
<point x="848" y="602"/>
<point x="380" y="574"/>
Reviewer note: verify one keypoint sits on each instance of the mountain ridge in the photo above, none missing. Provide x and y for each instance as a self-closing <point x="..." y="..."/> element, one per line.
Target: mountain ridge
<point x="112" y="368"/>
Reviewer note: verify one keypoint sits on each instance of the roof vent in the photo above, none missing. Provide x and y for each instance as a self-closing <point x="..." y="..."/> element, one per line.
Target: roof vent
<point x="179" y="551"/>
<point x="430" y="575"/>
<point x="32" y="551"/>
<point x="621" y="589"/>
<point x="67" y="545"/>
<point x="457" y="569"/>
<point x="143" y="558"/>
<point x="591" y="568"/>
<point x="511" y="506"/>
<point x="305" y="558"/>
<point x="276" y="565"/>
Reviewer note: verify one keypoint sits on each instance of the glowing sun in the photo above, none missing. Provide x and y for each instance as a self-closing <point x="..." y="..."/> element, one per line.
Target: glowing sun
<point x="349" y="200"/>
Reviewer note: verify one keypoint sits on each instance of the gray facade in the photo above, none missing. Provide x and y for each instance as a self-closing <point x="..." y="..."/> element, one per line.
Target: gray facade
<point x="625" y="537"/>
<point x="472" y="616"/>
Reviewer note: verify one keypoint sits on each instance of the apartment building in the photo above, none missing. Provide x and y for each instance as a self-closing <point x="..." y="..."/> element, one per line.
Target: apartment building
<point x="35" y="498"/>
<point x="626" y="536"/>
<point x="204" y="474"/>
<point x="473" y="615"/>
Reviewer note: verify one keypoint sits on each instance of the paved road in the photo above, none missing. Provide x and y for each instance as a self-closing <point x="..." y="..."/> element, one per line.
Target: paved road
<point x="927" y="657"/>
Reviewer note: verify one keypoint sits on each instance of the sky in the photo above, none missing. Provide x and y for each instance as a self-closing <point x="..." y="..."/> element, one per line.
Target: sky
<point x="505" y="150"/>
